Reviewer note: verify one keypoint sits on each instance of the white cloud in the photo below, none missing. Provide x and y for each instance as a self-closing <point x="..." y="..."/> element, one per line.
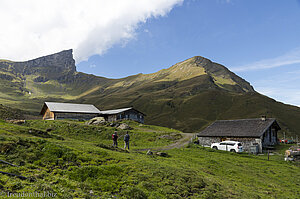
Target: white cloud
<point x="34" y="28"/>
<point x="226" y="1"/>
<point x="282" y="86"/>
<point x="292" y="57"/>
<point x="286" y="95"/>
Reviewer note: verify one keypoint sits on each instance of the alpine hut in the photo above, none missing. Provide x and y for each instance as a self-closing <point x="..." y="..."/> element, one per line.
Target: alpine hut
<point x="55" y="110"/>
<point x="260" y="131"/>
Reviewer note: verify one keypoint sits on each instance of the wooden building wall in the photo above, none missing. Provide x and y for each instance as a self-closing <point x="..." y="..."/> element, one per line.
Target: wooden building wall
<point x="75" y="116"/>
<point x="270" y="138"/>
<point x="126" y="115"/>
<point x="48" y="115"/>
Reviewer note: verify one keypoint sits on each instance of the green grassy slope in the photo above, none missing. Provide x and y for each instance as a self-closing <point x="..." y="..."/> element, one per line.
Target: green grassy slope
<point x="187" y="96"/>
<point x="9" y="113"/>
<point x="191" y="95"/>
<point x="192" y="105"/>
<point x="76" y="161"/>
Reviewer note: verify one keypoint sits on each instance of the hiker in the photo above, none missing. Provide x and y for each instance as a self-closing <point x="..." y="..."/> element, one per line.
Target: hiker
<point x="115" y="139"/>
<point x="126" y="140"/>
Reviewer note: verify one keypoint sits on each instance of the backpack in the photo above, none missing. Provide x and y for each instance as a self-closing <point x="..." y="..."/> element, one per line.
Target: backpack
<point x="126" y="138"/>
<point x="114" y="137"/>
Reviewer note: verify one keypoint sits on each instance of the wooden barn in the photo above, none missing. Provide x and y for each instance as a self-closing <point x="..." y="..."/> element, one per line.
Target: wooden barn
<point x="54" y="111"/>
<point x="261" y="132"/>
<point x="123" y="114"/>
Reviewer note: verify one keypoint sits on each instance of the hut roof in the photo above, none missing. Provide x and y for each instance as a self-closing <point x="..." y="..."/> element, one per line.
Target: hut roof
<point x="116" y="111"/>
<point x="238" y="128"/>
<point x="70" y="108"/>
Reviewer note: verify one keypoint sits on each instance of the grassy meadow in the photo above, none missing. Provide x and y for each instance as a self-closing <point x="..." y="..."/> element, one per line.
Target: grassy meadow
<point x="76" y="160"/>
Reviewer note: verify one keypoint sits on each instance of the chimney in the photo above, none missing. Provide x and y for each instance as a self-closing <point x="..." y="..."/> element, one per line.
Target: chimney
<point x="263" y="117"/>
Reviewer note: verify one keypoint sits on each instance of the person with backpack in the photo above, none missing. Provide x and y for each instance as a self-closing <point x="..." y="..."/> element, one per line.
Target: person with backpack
<point x="115" y="139"/>
<point x="126" y="140"/>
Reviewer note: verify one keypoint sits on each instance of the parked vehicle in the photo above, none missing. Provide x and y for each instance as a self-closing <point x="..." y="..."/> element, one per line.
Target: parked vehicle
<point x="287" y="141"/>
<point x="232" y="146"/>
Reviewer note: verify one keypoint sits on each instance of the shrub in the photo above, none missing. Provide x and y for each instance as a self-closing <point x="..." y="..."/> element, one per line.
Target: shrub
<point x="135" y="193"/>
<point x="95" y="172"/>
<point x="69" y="156"/>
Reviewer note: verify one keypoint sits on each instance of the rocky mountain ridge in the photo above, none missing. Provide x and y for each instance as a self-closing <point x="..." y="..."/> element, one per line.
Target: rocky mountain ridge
<point x="46" y="67"/>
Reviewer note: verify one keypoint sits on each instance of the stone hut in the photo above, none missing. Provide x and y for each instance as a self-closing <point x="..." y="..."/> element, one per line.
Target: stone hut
<point x="261" y="131"/>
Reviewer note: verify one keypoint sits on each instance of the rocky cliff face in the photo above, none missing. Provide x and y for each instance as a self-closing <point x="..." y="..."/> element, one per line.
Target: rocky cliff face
<point x="48" y="67"/>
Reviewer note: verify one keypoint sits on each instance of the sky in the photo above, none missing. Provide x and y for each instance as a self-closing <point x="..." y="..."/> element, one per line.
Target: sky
<point x="259" y="40"/>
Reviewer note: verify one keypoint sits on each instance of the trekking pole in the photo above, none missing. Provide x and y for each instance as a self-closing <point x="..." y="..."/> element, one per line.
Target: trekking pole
<point x="11" y="174"/>
<point x="8" y="163"/>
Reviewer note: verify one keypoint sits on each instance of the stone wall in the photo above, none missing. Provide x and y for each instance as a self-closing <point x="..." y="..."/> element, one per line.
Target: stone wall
<point x="207" y="141"/>
<point x="246" y="142"/>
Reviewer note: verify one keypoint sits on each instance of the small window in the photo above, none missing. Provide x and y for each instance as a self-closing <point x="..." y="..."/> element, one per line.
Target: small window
<point x="223" y="143"/>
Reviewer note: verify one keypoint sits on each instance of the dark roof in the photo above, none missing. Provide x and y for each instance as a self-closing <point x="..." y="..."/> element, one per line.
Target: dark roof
<point x="70" y="108"/>
<point x="238" y="128"/>
<point x="116" y="111"/>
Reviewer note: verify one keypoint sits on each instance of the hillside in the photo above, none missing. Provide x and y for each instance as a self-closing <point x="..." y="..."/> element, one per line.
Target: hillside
<point x="9" y="113"/>
<point x="74" y="160"/>
<point x="187" y="96"/>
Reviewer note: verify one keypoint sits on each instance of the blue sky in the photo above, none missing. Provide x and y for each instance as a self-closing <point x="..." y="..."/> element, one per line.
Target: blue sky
<point x="258" y="39"/>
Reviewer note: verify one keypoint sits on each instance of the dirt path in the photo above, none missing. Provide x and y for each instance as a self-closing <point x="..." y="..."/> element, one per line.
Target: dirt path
<point x="186" y="138"/>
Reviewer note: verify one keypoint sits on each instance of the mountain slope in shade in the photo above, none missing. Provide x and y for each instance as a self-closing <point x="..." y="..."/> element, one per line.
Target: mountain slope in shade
<point x="187" y="96"/>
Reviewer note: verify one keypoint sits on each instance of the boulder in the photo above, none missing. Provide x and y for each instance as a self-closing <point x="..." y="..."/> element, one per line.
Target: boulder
<point x="16" y="121"/>
<point x="162" y="154"/>
<point x="96" y="121"/>
<point x="114" y="124"/>
<point x="149" y="152"/>
<point x="124" y="126"/>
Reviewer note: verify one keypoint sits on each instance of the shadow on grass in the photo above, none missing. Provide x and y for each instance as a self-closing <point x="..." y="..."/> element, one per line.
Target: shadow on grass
<point x="112" y="148"/>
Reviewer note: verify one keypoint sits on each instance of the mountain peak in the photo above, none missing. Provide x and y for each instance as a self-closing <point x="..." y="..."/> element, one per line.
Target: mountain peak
<point x="219" y="74"/>
<point x="199" y="60"/>
<point x="196" y="61"/>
